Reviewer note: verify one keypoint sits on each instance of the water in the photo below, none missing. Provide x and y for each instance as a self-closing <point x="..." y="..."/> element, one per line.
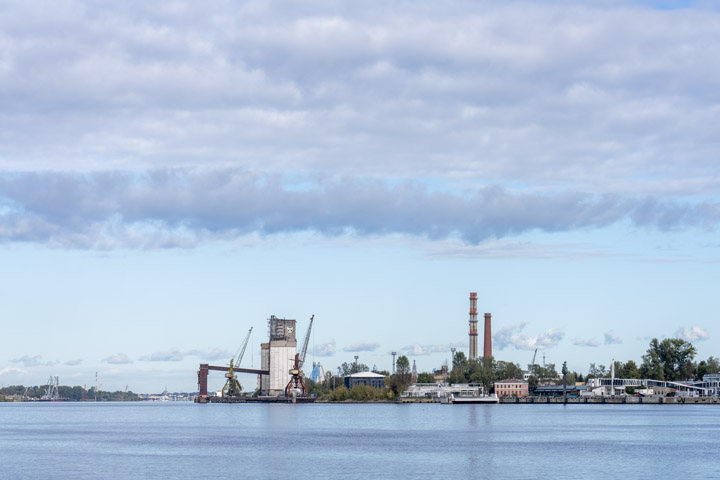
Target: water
<point x="183" y="440"/>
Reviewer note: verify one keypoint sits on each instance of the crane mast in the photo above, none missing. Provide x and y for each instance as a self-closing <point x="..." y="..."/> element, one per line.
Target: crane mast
<point x="232" y="385"/>
<point x="242" y="348"/>
<point x="305" y="343"/>
<point x="296" y="382"/>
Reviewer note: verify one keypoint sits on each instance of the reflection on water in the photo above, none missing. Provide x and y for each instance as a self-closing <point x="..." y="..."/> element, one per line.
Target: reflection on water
<point x="73" y="440"/>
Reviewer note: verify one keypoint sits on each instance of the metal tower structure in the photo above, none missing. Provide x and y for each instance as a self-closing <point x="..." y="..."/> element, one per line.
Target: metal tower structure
<point x="473" y="326"/>
<point x="51" y="389"/>
<point x="414" y="372"/>
<point x="232" y="386"/>
<point x="318" y="373"/>
<point x="296" y="383"/>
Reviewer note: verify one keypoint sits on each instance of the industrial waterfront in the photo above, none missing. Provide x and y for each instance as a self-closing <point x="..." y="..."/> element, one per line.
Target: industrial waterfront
<point x="281" y="378"/>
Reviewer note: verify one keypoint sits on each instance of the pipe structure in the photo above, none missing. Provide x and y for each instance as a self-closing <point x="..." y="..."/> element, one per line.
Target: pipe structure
<point x="487" y="353"/>
<point x="473" y="326"/>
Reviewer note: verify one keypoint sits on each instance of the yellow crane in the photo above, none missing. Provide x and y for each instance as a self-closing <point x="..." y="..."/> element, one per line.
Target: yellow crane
<point x="232" y="386"/>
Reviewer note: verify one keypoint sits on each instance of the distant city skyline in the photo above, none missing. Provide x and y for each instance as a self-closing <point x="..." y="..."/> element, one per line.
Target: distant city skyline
<point x="174" y="174"/>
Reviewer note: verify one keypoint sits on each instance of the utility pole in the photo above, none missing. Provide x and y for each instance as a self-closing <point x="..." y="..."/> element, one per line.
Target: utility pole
<point x="393" y="354"/>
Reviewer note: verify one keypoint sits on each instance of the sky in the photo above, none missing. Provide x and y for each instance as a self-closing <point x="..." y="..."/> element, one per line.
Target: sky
<point x="174" y="173"/>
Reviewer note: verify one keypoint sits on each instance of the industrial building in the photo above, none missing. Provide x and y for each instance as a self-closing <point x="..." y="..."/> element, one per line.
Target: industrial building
<point x="280" y="373"/>
<point x="277" y="356"/>
<point x="512" y="388"/>
<point x="370" y="379"/>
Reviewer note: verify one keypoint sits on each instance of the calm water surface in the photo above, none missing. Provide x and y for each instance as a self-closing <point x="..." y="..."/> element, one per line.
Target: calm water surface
<point x="183" y="440"/>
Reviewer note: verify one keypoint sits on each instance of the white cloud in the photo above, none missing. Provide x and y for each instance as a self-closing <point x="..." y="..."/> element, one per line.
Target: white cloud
<point x="117" y="359"/>
<point x="419" y="350"/>
<point x="74" y="362"/>
<point x="11" y="370"/>
<point x="612" y="339"/>
<point x="590" y="342"/>
<point x="510" y="335"/>
<point x="362" y="347"/>
<point x="326" y="349"/>
<point x="32" y="361"/>
<point x="172" y="355"/>
<point x="212" y="354"/>
<point x="692" y="334"/>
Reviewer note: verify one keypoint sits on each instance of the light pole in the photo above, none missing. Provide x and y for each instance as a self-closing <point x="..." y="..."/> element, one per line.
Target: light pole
<point x="356" y="367"/>
<point x="393" y="354"/>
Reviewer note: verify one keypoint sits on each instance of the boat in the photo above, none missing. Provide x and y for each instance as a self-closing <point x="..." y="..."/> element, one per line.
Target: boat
<point x="470" y="394"/>
<point x="462" y="399"/>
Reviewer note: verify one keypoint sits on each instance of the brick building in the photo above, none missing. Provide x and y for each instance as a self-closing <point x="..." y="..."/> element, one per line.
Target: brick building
<point x="512" y="387"/>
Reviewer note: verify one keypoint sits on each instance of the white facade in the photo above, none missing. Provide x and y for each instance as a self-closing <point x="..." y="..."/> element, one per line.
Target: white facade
<point x="282" y="359"/>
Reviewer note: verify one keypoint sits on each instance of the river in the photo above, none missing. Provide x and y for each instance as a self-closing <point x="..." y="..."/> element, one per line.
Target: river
<point x="184" y="440"/>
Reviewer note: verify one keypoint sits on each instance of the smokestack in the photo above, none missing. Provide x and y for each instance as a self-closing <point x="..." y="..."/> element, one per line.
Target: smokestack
<point x="473" y="326"/>
<point x="488" y="336"/>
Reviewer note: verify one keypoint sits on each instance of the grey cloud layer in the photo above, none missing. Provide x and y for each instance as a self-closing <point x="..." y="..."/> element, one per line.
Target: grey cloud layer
<point x="181" y="207"/>
<point x="610" y="97"/>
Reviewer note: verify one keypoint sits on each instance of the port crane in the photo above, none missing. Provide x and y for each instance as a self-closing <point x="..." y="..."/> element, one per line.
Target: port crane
<point x="232" y="386"/>
<point x="318" y="372"/>
<point x="531" y="368"/>
<point x="296" y="383"/>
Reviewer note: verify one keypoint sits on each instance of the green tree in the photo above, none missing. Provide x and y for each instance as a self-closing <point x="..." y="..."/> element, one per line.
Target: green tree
<point x="670" y="359"/>
<point x="363" y="393"/>
<point x="425" y="377"/>
<point x="459" y="372"/>
<point x="597" y="371"/>
<point x="507" y="371"/>
<point x="629" y="370"/>
<point x="340" y="394"/>
<point x="482" y="371"/>
<point x="350" y="368"/>
<point x="402" y="368"/>
<point x="705" y="367"/>
<point x="402" y="377"/>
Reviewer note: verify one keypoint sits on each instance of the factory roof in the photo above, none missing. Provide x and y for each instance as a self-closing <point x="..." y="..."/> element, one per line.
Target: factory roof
<point x="367" y="375"/>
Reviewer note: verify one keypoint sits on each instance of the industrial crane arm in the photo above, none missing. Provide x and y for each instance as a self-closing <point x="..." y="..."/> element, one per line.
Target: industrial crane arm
<point x="242" y="348"/>
<point x="305" y="343"/>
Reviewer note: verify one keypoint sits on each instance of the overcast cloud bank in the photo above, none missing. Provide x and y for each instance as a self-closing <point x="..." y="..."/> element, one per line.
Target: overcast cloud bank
<point x="180" y="208"/>
<point x="598" y="94"/>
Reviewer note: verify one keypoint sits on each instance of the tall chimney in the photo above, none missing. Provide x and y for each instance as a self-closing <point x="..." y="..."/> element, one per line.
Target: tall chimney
<point x="488" y="336"/>
<point x="473" y="326"/>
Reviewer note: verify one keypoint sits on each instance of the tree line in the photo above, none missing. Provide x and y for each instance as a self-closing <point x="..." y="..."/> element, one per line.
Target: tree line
<point x="75" y="393"/>
<point x="332" y="387"/>
<point x="670" y="359"/>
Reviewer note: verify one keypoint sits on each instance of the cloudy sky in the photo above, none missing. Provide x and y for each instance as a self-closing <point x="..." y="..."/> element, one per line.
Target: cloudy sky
<point x="173" y="173"/>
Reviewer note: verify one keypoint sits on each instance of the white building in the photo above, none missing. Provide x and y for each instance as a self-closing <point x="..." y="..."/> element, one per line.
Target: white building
<point x="277" y="356"/>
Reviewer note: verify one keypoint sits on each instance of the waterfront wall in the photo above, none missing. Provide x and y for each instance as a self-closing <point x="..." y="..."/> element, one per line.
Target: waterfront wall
<point x="652" y="399"/>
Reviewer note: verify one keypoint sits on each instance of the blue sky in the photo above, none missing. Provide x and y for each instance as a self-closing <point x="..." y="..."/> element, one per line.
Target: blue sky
<point x="173" y="174"/>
